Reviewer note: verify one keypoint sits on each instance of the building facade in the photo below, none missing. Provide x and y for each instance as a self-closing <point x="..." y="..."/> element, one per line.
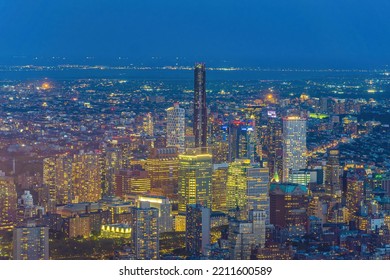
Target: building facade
<point x="200" y="107"/>
<point x="176" y="127"/>
<point x="195" y="178"/>
<point x="294" y="145"/>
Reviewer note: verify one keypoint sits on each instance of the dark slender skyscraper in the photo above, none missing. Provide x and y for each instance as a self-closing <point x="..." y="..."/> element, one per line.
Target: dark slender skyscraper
<point x="197" y="229"/>
<point x="200" y="108"/>
<point x="332" y="174"/>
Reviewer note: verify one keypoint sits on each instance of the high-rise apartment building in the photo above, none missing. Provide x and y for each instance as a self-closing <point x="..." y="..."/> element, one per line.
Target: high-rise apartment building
<point x="8" y="201"/>
<point x="176" y="127"/>
<point x="57" y="175"/>
<point x="145" y="232"/>
<point x="31" y="242"/>
<point x="49" y="180"/>
<point x="86" y="179"/>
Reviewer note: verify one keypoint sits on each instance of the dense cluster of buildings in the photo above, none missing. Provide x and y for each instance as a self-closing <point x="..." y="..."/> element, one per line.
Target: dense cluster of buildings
<point x="268" y="178"/>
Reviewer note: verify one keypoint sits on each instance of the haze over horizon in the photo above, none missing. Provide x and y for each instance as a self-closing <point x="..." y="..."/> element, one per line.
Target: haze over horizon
<point x="302" y="33"/>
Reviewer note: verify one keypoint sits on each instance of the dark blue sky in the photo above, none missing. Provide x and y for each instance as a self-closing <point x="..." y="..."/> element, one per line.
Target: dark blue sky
<point x="314" y="33"/>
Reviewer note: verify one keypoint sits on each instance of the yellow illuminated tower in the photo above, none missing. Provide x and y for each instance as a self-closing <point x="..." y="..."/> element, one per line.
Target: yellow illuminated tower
<point x="8" y="198"/>
<point x="86" y="180"/>
<point x="57" y="172"/>
<point x="195" y="172"/>
<point x="236" y="184"/>
<point x="354" y="193"/>
<point x="49" y="180"/>
<point x="218" y="187"/>
<point x="162" y="165"/>
<point x="112" y="164"/>
<point x="148" y="125"/>
<point x="64" y="179"/>
<point x="247" y="186"/>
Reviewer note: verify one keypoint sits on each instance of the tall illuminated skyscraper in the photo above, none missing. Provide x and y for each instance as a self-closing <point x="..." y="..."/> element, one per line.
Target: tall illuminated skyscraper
<point x="49" y="180"/>
<point x="247" y="186"/>
<point x="242" y="141"/>
<point x="176" y="127"/>
<point x="197" y="229"/>
<point x="145" y="232"/>
<point x="162" y="166"/>
<point x="111" y="165"/>
<point x="218" y="138"/>
<point x="294" y="145"/>
<point x="354" y="191"/>
<point x="64" y="179"/>
<point x="195" y="173"/>
<point x="164" y="207"/>
<point x="8" y="201"/>
<point x="57" y="175"/>
<point x="148" y="124"/>
<point x="31" y="242"/>
<point x="200" y="107"/>
<point x="272" y="141"/>
<point x="218" y="187"/>
<point x="332" y="174"/>
<point x="86" y="179"/>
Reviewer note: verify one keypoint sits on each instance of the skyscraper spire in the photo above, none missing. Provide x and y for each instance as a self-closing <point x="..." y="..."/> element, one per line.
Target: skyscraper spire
<point x="275" y="178"/>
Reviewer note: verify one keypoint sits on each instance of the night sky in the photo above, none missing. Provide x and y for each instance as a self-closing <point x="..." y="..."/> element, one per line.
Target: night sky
<point x="272" y="33"/>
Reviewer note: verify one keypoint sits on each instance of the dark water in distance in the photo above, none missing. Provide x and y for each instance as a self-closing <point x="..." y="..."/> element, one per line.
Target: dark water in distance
<point x="242" y="75"/>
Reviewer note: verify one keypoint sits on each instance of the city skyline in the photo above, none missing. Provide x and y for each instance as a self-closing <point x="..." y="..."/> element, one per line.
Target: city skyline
<point x="206" y="130"/>
<point x="113" y="162"/>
